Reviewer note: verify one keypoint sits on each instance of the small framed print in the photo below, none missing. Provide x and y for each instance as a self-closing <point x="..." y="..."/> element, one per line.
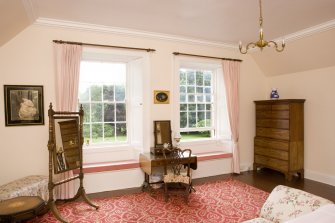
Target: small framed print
<point x="161" y="97"/>
<point x="23" y="105"/>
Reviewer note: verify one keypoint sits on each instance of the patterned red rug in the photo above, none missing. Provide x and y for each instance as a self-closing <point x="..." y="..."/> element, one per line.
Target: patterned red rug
<point x="220" y="201"/>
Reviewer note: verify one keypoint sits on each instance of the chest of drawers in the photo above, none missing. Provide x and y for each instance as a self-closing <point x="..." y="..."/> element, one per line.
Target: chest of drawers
<point x="279" y="140"/>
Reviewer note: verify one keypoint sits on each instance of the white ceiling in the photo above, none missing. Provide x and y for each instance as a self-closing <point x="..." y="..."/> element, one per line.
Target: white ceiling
<point x="217" y="21"/>
<point x="224" y="21"/>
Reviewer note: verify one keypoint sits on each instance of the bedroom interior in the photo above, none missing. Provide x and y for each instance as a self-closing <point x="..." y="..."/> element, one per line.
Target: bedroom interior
<point x="175" y="62"/>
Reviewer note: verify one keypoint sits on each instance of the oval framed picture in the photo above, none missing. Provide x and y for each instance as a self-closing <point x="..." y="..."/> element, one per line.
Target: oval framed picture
<point x="161" y="97"/>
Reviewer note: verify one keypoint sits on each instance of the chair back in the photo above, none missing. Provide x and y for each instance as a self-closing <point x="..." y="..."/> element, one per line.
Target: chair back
<point x="177" y="159"/>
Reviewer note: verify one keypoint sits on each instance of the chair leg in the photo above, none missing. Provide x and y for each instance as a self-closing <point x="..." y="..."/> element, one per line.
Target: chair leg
<point x="187" y="192"/>
<point x="192" y="188"/>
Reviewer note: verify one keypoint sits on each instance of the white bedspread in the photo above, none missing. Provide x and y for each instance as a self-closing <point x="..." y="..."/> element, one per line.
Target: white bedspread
<point x="324" y="214"/>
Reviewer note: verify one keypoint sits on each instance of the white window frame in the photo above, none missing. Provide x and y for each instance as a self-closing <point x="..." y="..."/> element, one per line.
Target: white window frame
<point x="220" y="142"/>
<point x="124" y="151"/>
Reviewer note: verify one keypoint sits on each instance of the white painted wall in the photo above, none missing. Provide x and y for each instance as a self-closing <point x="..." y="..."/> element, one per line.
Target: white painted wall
<point x="28" y="59"/>
<point x="316" y="86"/>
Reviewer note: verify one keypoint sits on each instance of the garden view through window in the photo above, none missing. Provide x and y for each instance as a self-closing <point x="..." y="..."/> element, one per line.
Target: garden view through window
<point x="196" y="103"/>
<point x="102" y="92"/>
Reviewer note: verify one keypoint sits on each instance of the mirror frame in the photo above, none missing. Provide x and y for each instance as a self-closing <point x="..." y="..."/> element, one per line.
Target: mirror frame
<point x="167" y="131"/>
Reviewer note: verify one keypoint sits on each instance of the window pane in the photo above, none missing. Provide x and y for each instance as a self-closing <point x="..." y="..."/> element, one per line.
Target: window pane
<point x="182" y="89"/>
<point x="195" y="135"/>
<point x="183" y="119"/>
<point x="109" y="130"/>
<point x="102" y="72"/>
<point x="96" y="93"/>
<point x="190" y="78"/>
<point x="182" y="78"/>
<point x="200" y="78"/>
<point x="182" y="98"/>
<point x="183" y="107"/>
<point x="208" y="107"/>
<point x="108" y="92"/>
<point x="201" y="119"/>
<point x="121" y="132"/>
<point x="190" y="89"/>
<point x="207" y="79"/>
<point x="208" y="98"/>
<point x="120" y="93"/>
<point x="86" y="132"/>
<point x="201" y="107"/>
<point x="191" y="107"/>
<point x="200" y="98"/>
<point x="84" y="92"/>
<point x="86" y="108"/>
<point x="191" y="98"/>
<point x="97" y="133"/>
<point x="96" y="112"/>
<point x="208" y="90"/>
<point x="192" y="119"/>
<point x="109" y="110"/>
<point x="120" y="112"/>
<point x="200" y="89"/>
<point x="208" y="119"/>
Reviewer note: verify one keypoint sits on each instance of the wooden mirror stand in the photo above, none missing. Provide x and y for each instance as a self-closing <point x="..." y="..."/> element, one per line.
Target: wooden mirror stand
<point x="65" y="153"/>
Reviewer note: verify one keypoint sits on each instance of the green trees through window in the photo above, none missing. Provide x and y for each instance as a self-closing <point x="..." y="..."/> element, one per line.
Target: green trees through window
<point x="196" y="99"/>
<point x="104" y="102"/>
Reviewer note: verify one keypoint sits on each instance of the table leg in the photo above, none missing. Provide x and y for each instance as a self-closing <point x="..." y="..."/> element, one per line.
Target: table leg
<point x="145" y="184"/>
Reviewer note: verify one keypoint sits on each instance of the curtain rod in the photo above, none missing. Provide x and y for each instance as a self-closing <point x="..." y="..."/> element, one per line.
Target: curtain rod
<point x="194" y="55"/>
<point x="90" y="44"/>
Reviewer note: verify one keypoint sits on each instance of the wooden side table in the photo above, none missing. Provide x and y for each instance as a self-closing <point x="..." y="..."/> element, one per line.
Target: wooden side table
<point x="152" y="164"/>
<point x="20" y="208"/>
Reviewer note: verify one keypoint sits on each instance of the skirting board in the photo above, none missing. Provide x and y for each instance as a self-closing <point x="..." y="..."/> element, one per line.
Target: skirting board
<point x="246" y="167"/>
<point x="320" y="177"/>
<point x="309" y="174"/>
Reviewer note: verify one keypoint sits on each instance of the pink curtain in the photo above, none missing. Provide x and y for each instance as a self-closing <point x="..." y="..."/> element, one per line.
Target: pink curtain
<point x="231" y="73"/>
<point x="67" y="59"/>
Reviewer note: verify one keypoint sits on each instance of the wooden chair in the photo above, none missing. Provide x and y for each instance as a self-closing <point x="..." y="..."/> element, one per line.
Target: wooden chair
<point x="177" y="172"/>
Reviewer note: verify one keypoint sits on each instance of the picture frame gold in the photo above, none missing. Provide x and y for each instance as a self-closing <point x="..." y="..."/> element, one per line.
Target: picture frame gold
<point x="161" y="97"/>
<point x="23" y="105"/>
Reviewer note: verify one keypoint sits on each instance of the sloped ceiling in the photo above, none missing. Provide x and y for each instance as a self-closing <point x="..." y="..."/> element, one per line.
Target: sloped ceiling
<point x="13" y="19"/>
<point x="219" y="22"/>
<point x="312" y="52"/>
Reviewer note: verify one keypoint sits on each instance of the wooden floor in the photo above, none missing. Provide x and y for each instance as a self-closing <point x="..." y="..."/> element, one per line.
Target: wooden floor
<point x="266" y="179"/>
<point x="263" y="179"/>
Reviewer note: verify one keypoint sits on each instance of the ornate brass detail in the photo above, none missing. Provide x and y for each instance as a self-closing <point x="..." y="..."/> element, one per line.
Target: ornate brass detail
<point x="261" y="43"/>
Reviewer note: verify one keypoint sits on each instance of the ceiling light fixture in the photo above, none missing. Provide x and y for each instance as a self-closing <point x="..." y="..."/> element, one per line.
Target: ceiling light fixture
<point x="261" y="43"/>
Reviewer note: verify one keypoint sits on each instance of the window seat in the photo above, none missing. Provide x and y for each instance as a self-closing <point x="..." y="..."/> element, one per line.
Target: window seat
<point x="131" y="164"/>
<point x="213" y="155"/>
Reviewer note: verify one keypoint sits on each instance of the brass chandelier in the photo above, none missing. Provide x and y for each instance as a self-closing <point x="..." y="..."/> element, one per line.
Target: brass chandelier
<point x="261" y="43"/>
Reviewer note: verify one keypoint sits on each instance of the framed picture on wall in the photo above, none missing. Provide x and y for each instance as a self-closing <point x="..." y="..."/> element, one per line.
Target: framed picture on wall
<point x="161" y="97"/>
<point x="23" y="105"/>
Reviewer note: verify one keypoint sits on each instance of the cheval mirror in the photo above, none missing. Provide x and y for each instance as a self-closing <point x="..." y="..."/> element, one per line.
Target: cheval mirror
<point x="67" y="148"/>
<point x="65" y="154"/>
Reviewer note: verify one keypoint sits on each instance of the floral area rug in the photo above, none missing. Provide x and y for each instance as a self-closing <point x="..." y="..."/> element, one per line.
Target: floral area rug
<point x="219" y="201"/>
